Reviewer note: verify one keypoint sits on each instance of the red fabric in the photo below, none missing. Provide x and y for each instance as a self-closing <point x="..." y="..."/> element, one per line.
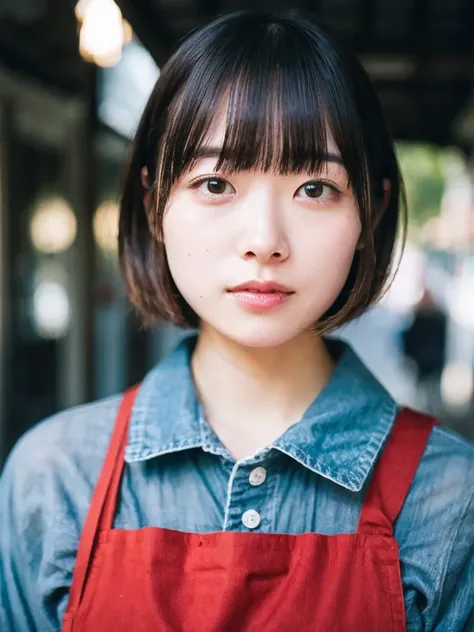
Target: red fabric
<point x="161" y="580"/>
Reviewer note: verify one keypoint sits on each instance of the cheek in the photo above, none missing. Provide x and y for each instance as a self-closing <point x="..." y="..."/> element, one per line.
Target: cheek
<point x="326" y="260"/>
<point x="178" y="244"/>
<point x="333" y="243"/>
<point x="180" y="229"/>
<point x="344" y="239"/>
<point x="189" y="250"/>
<point x="190" y="230"/>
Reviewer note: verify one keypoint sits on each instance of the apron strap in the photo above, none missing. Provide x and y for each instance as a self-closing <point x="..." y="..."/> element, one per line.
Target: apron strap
<point x="102" y="508"/>
<point x="394" y="472"/>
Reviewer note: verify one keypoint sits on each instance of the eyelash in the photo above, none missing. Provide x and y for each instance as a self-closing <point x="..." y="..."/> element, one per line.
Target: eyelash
<point x="200" y="181"/>
<point x="197" y="183"/>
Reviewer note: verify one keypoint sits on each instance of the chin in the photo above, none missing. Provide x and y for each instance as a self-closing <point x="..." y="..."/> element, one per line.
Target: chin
<point x="261" y="335"/>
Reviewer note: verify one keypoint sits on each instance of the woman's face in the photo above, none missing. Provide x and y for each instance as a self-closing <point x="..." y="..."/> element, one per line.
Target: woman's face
<point x="223" y="231"/>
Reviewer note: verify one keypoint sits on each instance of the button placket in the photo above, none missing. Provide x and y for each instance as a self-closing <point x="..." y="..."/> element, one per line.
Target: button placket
<point x="249" y="503"/>
<point x="257" y="476"/>
<point x="251" y="519"/>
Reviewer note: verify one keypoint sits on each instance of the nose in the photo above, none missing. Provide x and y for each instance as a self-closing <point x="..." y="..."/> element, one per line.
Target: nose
<point x="264" y="237"/>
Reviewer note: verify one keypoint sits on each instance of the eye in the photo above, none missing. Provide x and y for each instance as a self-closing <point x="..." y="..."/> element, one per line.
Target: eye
<point x="318" y="191"/>
<point x="214" y="186"/>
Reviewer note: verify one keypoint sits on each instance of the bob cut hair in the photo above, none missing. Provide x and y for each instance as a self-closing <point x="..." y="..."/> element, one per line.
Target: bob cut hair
<point x="286" y="86"/>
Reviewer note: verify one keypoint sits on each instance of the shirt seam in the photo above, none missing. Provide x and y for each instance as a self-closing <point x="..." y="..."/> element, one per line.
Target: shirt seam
<point x="274" y="501"/>
<point x="454" y="437"/>
<point x="133" y="457"/>
<point x="208" y="445"/>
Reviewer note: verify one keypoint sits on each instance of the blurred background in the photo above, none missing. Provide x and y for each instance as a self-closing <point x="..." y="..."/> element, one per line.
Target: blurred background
<point x="74" y="78"/>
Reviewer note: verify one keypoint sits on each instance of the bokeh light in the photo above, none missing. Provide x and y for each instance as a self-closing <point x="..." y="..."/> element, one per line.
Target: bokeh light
<point x="457" y="385"/>
<point x="106" y="226"/>
<point x="102" y="33"/>
<point x="53" y="226"/>
<point x="51" y="304"/>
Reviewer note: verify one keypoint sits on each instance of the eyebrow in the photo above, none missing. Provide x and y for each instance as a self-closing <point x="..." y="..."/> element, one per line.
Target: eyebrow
<point x="215" y="152"/>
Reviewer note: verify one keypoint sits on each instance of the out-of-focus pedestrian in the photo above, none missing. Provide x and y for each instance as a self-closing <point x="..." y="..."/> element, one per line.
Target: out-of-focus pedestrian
<point x="424" y="344"/>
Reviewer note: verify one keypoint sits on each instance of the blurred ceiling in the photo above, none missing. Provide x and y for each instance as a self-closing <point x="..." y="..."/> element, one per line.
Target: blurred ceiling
<point x="39" y="38"/>
<point x="419" y="53"/>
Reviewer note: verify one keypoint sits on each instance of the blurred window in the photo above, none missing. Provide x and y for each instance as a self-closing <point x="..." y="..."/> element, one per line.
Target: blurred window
<point x="124" y="89"/>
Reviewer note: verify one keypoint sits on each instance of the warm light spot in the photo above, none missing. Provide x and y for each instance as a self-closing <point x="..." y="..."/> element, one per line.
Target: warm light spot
<point x="457" y="385"/>
<point x="102" y="34"/>
<point x="106" y="226"/>
<point x="53" y="226"/>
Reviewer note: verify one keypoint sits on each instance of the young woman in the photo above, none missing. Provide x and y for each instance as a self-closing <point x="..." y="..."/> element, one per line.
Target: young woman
<point x="259" y="479"/>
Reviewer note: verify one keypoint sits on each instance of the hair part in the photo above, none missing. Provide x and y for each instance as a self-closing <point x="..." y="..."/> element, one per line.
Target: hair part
<point x="285" y="87"/>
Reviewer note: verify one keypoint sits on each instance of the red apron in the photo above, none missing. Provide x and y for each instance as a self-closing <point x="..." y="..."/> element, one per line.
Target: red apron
<point x="154" y="579"/>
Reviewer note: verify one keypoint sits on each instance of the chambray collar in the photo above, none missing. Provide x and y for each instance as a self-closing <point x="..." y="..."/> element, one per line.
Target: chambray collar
<point x="339" y="436"/>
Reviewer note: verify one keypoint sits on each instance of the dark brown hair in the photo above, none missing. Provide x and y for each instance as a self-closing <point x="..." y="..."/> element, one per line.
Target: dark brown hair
<point x="286" y="85"/>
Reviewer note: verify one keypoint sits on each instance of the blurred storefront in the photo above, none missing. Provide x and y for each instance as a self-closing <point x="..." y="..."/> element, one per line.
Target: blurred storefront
<point x="68" y="334"/>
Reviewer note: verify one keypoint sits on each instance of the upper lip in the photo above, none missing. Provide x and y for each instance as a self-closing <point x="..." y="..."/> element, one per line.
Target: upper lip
<point x="261" y="286"/>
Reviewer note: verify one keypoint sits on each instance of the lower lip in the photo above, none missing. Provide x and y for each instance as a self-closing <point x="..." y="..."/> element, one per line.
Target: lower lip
<point x="260" y="301"/>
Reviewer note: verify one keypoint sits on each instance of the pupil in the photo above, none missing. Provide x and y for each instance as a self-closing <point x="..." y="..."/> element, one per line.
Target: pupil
<point x="216" y="186"/>
<point x="314" y="190"/>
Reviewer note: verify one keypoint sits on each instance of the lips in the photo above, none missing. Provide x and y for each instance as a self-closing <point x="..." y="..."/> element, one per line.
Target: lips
<point x="262" y="287"/>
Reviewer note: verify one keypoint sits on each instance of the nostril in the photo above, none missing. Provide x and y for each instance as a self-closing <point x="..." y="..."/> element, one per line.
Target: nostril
<point x="250" y="254"/>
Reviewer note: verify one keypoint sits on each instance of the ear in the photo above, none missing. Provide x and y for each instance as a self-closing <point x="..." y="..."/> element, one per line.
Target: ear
<point x="387" y="189"/>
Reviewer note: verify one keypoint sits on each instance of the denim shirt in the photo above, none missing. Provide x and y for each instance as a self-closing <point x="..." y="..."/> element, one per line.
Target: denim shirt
<point x="180" y="476"/>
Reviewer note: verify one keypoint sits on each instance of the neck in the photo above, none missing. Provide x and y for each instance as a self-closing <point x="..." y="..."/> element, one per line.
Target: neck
<point x="252" y="395"/>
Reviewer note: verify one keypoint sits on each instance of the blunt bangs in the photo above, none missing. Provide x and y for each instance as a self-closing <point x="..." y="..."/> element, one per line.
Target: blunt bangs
<point x="283" y="93"/>
<point x="287" y="92"/>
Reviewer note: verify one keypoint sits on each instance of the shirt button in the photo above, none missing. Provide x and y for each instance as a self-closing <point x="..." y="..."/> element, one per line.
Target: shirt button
<point x="257" y="476"/>
<point x="251" y="519"/>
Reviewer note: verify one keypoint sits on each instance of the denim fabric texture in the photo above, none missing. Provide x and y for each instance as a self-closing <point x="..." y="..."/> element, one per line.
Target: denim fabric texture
<point x="180" y="476"/>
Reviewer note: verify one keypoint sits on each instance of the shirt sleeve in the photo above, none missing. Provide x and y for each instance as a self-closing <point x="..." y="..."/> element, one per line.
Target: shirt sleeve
<point x="33" y="587"/>
<point x="456" y="599"/>
<point x="435" y="531"/>
<point x="45" y="493"/>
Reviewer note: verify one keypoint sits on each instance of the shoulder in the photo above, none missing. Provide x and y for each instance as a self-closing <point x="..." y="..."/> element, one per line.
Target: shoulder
<point x="45" y="492"/>
<point x="446" y="470"/>
<point x="68" y="434"/>
<point x="442" y="493"/>
<point x="59" y="456"/>
<point x="443" y="486"/>
<point x="77" y="423"/>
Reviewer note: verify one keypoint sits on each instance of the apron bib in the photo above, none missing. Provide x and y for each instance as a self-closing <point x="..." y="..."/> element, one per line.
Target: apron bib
<point x="162" y="580"/>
